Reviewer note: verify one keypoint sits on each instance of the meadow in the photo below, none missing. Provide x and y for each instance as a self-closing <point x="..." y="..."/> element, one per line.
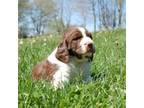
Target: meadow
<point x="107" y="90"/>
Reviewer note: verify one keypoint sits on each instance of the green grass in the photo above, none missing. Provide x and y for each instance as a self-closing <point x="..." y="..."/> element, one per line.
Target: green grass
<point x="107" y="90"/>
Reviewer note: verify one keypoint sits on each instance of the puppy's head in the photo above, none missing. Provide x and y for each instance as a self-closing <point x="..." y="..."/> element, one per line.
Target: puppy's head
<point x="78" y="42"/>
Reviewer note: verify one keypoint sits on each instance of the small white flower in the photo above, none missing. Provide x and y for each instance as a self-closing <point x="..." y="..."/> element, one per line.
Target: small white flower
<point x="110" y="98"/>
<point x="116" y="42"/>
<point x="34" y="41"/>
<point x="21" y="42"/>
<point x="44" y="39"/>
<point x="50" y="35"/>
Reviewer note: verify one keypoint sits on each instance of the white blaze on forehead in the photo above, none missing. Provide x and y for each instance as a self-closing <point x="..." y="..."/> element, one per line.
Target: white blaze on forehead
<point x="85" y="40"/>
<point x="82" y="30"/>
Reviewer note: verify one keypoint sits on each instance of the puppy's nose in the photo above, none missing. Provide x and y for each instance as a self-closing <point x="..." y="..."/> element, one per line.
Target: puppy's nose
<point x="90" y="45"/>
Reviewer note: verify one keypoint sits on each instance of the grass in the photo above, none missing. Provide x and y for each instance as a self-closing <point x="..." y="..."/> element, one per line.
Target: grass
<point x="107" y="90"/>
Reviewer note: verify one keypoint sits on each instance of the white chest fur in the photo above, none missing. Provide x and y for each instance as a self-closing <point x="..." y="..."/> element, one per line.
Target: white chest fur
<point x="68" y="72"/>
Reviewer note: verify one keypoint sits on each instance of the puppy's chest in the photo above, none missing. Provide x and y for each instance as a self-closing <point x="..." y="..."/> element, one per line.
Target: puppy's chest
<point x="75" y="70"/>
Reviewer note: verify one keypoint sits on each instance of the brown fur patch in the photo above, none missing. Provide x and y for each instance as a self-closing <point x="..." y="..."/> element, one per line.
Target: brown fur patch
<point x="62" y="53"/>
<point x="89" y="34"/>
<point x="44" y="70"/>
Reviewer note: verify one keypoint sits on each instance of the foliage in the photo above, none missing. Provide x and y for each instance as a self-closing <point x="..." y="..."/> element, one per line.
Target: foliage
<point x="107" y="90"/>
<point x="40" y="17"/>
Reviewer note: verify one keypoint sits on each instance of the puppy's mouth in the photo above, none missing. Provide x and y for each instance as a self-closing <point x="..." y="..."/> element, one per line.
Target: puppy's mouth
<point x="91" y="50"/>
<point x="87" y="55"/>
<point x="83" y="55"/>
<point x="80" y="54"/>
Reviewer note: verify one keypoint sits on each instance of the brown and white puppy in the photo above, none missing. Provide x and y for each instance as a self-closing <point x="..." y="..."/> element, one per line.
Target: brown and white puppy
<point x="73" y="55"/>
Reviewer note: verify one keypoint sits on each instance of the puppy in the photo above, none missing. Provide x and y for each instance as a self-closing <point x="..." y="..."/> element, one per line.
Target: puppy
<point x="73" y="55"/>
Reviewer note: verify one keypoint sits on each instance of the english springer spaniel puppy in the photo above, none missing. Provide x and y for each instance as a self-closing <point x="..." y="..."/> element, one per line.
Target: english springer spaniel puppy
<point x="72" y="56"/>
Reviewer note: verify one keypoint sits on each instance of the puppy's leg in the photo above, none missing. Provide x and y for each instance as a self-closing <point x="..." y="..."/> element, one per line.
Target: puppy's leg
<point x="59" y="79"/>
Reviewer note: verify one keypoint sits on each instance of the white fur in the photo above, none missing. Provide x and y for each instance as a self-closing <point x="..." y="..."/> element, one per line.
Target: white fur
<point x="62" y="74"/>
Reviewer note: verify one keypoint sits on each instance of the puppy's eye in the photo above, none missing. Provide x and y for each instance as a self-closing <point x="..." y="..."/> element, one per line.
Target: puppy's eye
<point x="77" y="38"/>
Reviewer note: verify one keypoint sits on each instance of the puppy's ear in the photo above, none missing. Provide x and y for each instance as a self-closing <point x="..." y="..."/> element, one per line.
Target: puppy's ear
<point x="62" y="53"/>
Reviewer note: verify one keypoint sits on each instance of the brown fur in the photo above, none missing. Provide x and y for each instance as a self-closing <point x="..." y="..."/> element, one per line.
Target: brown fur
<point x="89" y="34"/>
<point x="44" y="70"/>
